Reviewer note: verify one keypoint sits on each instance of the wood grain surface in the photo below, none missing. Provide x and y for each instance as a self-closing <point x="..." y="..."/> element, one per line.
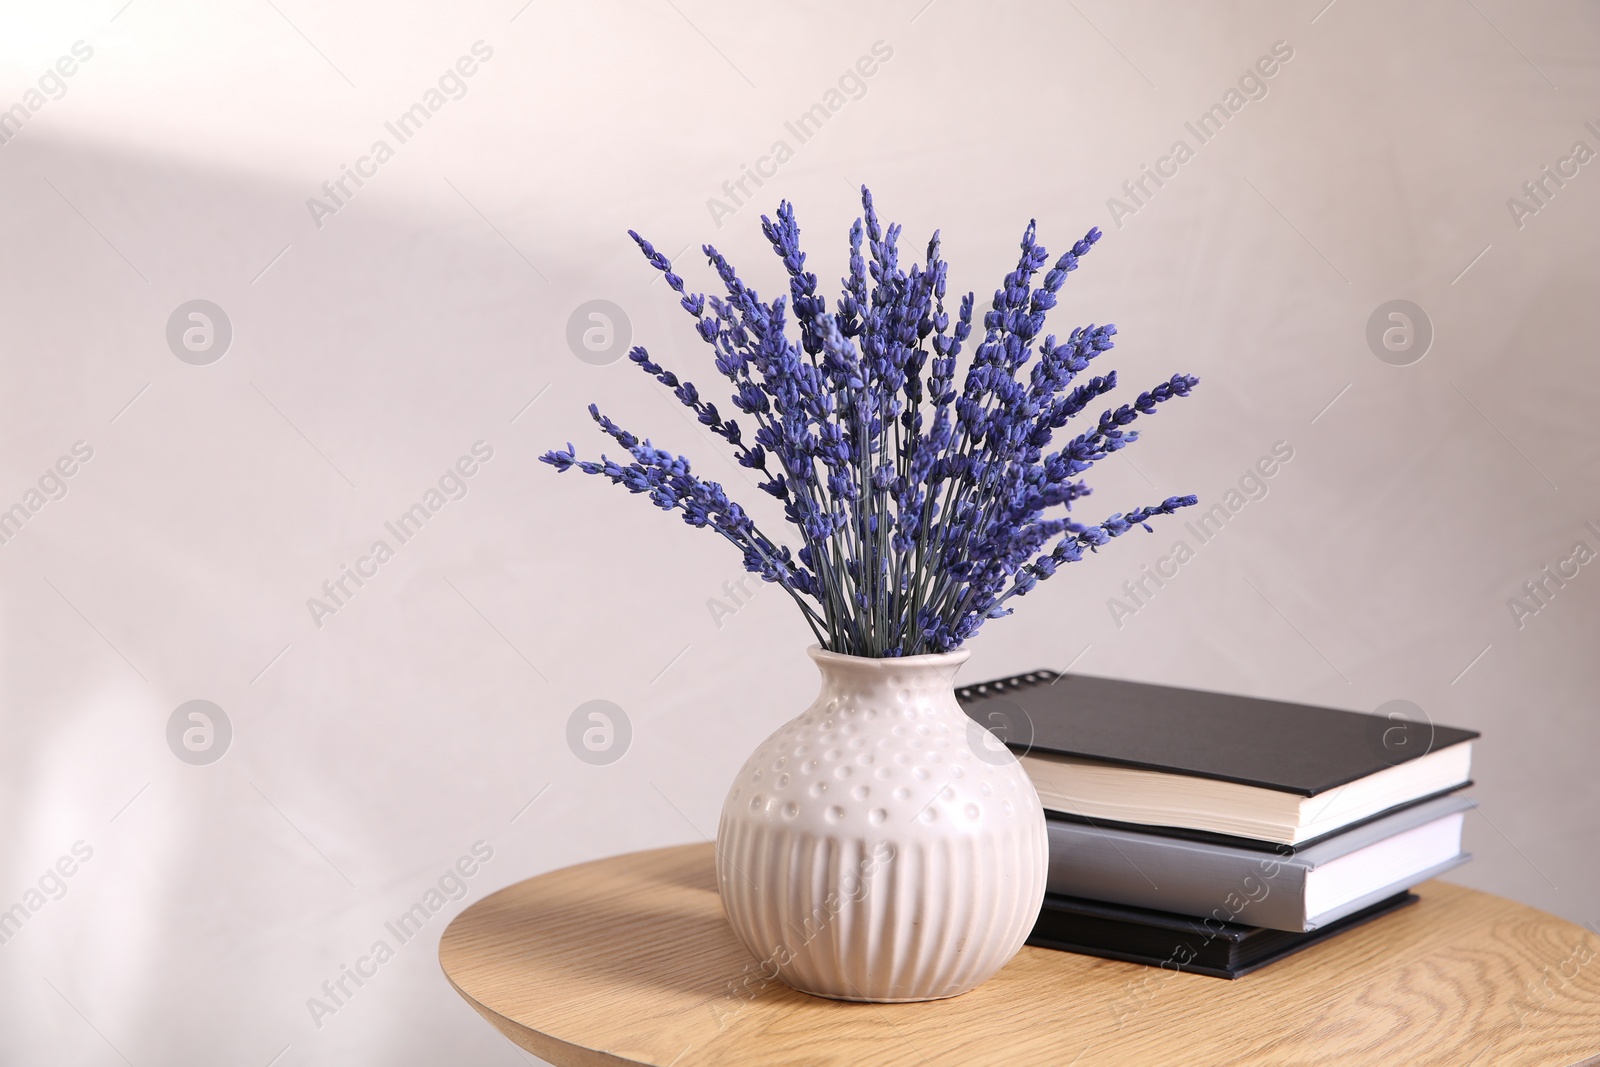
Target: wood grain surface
<point x="629" y="960"/>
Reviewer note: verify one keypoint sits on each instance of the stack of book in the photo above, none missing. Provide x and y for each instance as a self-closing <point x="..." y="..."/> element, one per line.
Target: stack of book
<point x="1216" y="834"/>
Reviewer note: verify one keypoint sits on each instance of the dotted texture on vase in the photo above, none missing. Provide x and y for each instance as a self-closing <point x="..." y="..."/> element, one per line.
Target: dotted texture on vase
<point x="865" y="852"/>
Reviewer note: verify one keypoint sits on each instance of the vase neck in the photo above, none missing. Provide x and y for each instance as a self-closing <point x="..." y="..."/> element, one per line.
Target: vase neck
<point x="920" y="676"/>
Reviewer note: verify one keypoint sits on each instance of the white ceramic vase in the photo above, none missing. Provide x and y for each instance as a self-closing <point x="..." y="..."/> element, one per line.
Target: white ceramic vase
<point x="882" y="846"/>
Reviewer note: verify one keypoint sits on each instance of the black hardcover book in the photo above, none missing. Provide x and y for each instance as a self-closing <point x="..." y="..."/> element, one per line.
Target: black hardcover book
<point x="1180" y="942"/>
<point x="1212" y="766"/>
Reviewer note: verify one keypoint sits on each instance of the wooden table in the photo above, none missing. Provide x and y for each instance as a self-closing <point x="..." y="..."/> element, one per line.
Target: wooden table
<point x="629" y="960"/>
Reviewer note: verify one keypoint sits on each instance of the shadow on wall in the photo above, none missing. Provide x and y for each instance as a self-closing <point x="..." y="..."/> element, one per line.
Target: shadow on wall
<point x="218" y="498"/>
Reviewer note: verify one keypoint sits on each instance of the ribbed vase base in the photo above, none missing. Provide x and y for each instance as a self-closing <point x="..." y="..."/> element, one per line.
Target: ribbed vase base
<point x="871" y="850"/>
<point x="882" y="1000"/>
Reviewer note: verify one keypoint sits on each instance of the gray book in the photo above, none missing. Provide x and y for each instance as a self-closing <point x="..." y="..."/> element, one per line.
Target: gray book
<point x="1281" y="889"/>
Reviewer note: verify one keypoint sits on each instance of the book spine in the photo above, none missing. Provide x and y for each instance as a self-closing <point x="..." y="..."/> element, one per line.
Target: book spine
<point x="1208" y="882"/>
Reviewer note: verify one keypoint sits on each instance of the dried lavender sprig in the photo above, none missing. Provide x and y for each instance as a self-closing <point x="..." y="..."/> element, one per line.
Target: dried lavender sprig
<point x="916" y="526"/>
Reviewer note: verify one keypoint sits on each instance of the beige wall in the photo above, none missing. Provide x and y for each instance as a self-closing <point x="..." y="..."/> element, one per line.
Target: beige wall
<point x="371" y="752"/>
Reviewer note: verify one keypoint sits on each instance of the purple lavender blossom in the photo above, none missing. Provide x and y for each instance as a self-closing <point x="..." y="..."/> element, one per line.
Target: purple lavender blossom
<point x="921" y="507"/>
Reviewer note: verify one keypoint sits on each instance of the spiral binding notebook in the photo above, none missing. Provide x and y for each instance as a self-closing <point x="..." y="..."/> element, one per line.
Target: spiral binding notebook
<point x="1244" y="771"/>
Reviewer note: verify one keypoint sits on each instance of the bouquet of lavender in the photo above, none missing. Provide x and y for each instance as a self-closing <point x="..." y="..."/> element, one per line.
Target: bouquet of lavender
<point x="921" y="508"/>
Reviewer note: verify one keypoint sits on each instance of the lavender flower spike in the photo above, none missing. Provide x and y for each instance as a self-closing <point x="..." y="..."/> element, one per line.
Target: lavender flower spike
<point x="920" y="506"/>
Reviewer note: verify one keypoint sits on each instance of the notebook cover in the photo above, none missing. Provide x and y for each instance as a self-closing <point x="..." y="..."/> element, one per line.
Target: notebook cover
<point x="1157" y="939"/>
<point x="1153" y="870"/>
<point x="1273" y="744"/>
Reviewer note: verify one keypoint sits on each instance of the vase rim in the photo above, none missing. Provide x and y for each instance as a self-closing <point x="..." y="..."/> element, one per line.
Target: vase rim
<point x="934" y="659"/>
